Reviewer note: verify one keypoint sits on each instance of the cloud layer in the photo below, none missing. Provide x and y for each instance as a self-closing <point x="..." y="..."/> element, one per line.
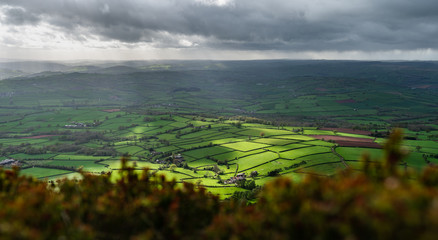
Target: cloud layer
<point x="243" y="25"/>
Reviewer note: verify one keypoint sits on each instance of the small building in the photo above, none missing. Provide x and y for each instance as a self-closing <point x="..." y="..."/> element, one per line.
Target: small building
<point x="10" y="162"/>
<point x="76" y="125"/>
<point x="7" y="161"/>
<point x="238" y="177"/>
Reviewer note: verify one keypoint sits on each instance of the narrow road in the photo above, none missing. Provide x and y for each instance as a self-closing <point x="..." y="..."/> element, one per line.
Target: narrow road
<point x="340" y="157"/>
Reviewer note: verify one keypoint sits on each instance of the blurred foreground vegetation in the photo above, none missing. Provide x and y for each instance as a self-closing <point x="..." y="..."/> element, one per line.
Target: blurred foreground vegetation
<point x="381" y="202"/>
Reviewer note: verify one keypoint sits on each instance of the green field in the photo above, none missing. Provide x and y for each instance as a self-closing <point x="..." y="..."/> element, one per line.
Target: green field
<point x="44" y="172"/>
<point x="244" y="146"/>
<point x="354" y="153"/>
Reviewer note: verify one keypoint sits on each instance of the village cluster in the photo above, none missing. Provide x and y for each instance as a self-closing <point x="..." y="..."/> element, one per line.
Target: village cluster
<point x="76" y="125"/>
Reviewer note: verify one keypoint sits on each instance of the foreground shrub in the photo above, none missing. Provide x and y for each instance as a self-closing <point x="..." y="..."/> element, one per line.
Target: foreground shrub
<point x="382" y="202"/>
<point x="350" y="205"/>
<point x="142" y="205"/>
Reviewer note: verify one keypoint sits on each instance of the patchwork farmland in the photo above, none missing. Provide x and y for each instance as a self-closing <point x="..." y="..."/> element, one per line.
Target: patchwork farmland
<point x="187" y="148"/>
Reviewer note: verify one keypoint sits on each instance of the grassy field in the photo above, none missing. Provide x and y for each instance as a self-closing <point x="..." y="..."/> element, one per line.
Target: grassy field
<point x="44" y="172"/>
<point x="354" y="153"/>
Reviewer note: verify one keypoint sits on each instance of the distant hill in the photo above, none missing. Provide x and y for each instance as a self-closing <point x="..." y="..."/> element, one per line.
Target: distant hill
<point x="84" y="68"/>
<point x="43" y="74"/>
<point x="9" y="73"/>
<point x="114" y="70"/>
<point x="33" y="66"/>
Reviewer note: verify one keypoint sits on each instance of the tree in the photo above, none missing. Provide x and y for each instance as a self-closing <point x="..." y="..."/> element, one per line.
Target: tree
<point x="199" y="183"/>
<point x="216" y="169"/>
<point x="250" y="184"/>
<point x="274" y="172"/>
<point x="172" y="167"/>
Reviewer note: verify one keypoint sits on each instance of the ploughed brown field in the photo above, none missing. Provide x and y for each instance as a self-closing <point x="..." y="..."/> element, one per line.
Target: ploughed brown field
<point x="349" y="141"/>
<point x="112" y="110"/>
<point x="40" y="136"/>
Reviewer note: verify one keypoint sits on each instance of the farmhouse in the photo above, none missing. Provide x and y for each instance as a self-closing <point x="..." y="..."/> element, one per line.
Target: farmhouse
<point x="238" y="177"/>
<point x="76" y="125"/>
<point x="7" y="161"/>
<point x="178" y="159"/>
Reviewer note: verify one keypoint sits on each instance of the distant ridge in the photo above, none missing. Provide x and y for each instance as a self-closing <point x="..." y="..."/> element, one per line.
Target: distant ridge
<point x="34" y="66"/>
<point x="115" y="70"/>
<point x="10" y="73"/>
<point x="84" y="68"/>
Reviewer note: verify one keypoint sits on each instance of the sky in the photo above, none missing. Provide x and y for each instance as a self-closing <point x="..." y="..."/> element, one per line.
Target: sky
<point x="218" y="29"/>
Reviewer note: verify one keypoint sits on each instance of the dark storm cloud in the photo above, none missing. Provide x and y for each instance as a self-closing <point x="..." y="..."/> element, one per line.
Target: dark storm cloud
<point x="313" y="25"/>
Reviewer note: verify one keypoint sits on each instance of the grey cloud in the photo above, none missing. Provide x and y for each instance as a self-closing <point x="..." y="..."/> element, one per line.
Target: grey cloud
<point x="245" y="24"/>
<point x="19" y="16"/>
